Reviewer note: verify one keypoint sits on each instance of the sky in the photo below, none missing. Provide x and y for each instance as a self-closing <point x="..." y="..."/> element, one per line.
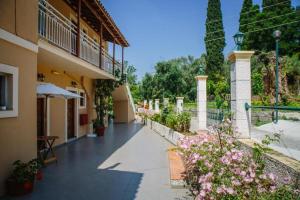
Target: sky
<point x="164" y="29"/>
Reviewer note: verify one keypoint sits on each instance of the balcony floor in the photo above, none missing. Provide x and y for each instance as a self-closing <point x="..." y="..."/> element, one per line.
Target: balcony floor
<point x="129" y="162"/>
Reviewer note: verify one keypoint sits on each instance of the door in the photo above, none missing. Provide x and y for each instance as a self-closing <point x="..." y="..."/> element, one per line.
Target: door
<point x="40" y="116"/>
<point x="40" y="120"/>
<point x="71" y="118"/>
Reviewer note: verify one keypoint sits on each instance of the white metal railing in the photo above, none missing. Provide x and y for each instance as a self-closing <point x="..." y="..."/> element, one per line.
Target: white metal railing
<point x="60" y="31"/>
<point x="57" y="29"/>
<point x="89" y="49"/>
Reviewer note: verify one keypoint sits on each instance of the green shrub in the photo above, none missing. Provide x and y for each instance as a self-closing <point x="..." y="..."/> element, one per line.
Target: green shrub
<point x="156" y="117"/>
<point x="184" y="120"/>
<point x="171" y="120"/>
<point x="163" y="117"/>
<point x="294" y="104"/>
<point x="257" y="83"/>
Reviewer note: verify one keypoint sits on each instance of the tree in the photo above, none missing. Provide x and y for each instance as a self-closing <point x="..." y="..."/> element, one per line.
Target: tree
<point x="214" y="40"/>
<point x="247" y="23"/>
<point x="146" y="86"/>
<point x="133" y="83"/>
<point x="131" y="76"/>
<point x="173" y="78"/>
<point x="259" y="26"/>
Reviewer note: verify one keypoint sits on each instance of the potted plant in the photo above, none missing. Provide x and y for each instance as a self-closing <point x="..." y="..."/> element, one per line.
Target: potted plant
<point x="21" y="180"/>
<point x="103" y="93"/>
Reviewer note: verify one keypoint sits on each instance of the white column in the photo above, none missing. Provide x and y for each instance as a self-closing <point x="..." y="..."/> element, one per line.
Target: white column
<point x="201" y="102"/>
<point x="150" y="105"/>
<point x="240" y="74"/>
<point x="166" y="102"/>
<point x="156" y="105"/>
<point x="145" y="103"/>
<point x="179" y="104"/>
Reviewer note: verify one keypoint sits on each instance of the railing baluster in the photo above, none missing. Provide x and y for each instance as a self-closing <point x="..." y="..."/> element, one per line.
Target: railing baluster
<point x="57" y="29"/>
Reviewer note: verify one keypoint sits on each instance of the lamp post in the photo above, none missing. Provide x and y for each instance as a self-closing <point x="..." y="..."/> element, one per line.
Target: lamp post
<point x="238" y="39"/>
<point x="276" y="35"/>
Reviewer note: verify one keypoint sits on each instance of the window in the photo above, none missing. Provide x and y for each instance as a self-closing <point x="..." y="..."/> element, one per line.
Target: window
<point x="82" y="103"/>
<point x="8" y="91"/>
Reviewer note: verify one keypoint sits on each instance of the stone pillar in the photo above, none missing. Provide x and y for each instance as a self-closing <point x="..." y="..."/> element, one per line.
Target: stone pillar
<point x="179" y="104"/>
<point x="145" y="103"/>
<point x="201" y="102"/>
<point x="150" y="105"/>
<point x="166" y="102"/>
<point x="156" y="105"/>
<point x="240" y="74"/>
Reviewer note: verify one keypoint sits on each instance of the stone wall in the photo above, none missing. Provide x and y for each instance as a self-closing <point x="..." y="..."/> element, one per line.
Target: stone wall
<point x="166" y="132"/>
<point x="278" y="164"/>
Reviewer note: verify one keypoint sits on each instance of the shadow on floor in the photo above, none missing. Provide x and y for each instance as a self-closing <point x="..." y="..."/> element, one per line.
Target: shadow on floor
<point x="76" y="175"/>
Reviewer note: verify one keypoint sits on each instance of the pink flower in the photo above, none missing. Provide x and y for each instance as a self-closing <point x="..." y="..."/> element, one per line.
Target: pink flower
<point x="230" y="190"/>
<point x="243" y="173"/>
<point x="237" y="171"/>
<point x="207" y="186"/>
<point x="272" y="176"/>
<point x="272" y="188"/>
<point x="236" y="182"/>
<point x="287" y="180"/>
<point x="261" y="190"/>
<point x="252" y="174"/>
<point x="248" y="179"/>
<point x="220" y="190"/>
<point x="202" y="193"/>
<point x="208" y="164"/>
<point x="263" y="176"/>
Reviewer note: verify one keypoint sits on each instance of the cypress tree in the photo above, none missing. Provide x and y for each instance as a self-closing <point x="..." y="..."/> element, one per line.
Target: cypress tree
<point x="289" y="41"/>
<point x="247" y="23"/>
<point x="215" y="32"/>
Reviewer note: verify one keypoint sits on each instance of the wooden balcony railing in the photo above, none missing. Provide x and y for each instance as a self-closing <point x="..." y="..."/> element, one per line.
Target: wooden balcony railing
<point x="61" y="32"/>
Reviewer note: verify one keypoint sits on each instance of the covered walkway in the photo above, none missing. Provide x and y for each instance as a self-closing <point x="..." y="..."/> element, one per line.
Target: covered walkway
<point x="129" y="162"/>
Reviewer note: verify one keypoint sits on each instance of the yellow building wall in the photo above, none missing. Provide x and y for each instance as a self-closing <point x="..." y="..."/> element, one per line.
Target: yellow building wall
<point x="121" y="111"/>
<point x="58" y="105"/>
<point x="18" y="134"/>
<point x="24" y="23"/>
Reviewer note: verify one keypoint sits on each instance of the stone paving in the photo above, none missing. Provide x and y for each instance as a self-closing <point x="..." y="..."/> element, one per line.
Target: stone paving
<point x="129" y="162"/>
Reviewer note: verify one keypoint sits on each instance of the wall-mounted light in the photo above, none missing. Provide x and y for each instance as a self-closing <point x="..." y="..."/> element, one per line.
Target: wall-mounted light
<point x="41" y="77"/>
<point x="55" y="72"/>
<point x="73" y="83"/>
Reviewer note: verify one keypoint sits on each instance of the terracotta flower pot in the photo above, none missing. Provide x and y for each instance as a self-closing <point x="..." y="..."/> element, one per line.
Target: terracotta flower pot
<point x="39" y="175"/>
<point x="28" y="186"/>
<point x="14" y="188"/>
<point x="100" y="130"/>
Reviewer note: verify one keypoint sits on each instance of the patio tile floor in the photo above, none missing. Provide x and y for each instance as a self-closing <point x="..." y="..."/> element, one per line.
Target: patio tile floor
<point x="129" y="162"/>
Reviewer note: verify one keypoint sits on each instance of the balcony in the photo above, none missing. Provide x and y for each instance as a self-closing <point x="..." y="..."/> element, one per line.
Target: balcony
<point x="59" y="31"/>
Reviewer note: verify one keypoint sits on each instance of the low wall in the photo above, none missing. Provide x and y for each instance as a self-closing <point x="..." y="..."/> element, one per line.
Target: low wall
<point x="166" y="132"/>
<point x="278" y="164"/>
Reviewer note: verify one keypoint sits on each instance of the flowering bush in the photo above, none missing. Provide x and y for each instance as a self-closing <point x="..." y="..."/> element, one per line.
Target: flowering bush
<point x="145" y="113"/>
<point x="217" y="168"/>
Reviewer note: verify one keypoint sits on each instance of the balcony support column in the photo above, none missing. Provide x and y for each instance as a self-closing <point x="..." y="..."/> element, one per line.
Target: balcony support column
<point x="114" y="54"/>
<point x="122" y="60"/>
<point x="78" y="28"/>
<point x="100" y="46"/>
